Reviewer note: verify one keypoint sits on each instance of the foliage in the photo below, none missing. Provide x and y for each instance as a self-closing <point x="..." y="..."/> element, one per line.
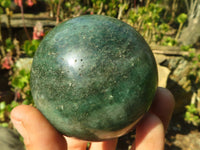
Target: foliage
<point x="194" y="58"/>
<point x="109" y="7"/>
<point x="5" y="109"/>
<point x="53" y="6"/>
<point x="181" y="19"/>
<point x="9" y="45"/>
<point x="73" y="8"/>
<point x="20" y="85"/>
<point x="30" y="47"/>
<point x="169" y="41"/>
<point x="2" y="110"/>
<point x="148" y="20"/>
<point x="192" y="115"/>
<point x="5" y="3"/>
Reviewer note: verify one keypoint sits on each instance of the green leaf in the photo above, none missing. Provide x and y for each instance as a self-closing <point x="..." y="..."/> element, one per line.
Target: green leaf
<point x="1" y="10"/>
<point x="182" y="18"/>
<point x="67" y="4"/>
<point x="6" y="3"/>
<point x="35" y="42"/>
<point x="30" y="47"/>
<point x="12" y="105"/>
<point x="185" y="47"/>
<point x="4" y="124"/>
<point x="9" y="44"/>
<point x="8" y="41"/>
<point x="2" y="105"/>
<point x="27" y="102"/>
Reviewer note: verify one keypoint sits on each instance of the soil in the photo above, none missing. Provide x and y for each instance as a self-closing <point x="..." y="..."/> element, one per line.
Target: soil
<point x="5" y="93"/>
<point x="181" y="135"/>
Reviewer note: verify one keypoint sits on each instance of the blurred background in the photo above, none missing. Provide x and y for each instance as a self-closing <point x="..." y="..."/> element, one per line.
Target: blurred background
<point x="170" y="27"/>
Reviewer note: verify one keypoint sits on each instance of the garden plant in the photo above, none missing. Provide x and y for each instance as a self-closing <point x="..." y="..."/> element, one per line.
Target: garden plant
<point x="163" y="22"/>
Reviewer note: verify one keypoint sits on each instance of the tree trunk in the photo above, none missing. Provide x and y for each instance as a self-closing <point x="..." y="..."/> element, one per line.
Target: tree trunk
<point x="191" y="33"/>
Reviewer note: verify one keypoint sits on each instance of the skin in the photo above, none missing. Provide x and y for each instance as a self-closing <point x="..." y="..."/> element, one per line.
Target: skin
<point x="40" y="135"/>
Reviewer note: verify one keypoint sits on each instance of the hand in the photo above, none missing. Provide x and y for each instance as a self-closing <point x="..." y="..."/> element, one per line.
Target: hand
<point x="40" y="135"/>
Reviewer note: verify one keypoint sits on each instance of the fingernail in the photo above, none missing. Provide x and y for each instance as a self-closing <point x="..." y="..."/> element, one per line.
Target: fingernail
<point x="21" y="129"/>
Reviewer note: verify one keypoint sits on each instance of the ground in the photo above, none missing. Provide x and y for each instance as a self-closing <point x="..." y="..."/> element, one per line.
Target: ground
<point x="182" y="136"/>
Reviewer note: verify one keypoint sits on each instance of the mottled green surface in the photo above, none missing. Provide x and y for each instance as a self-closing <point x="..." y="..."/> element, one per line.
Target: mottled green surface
<point x="93" y="77"/>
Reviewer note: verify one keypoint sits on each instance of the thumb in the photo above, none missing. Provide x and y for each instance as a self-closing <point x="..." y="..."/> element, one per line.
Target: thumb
<point x="37" y="132"/>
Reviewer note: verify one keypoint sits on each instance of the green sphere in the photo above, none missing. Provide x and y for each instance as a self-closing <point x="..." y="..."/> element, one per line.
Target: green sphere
<point x="93" y="77"/>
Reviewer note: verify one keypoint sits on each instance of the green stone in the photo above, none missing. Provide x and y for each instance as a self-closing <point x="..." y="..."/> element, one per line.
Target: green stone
<point x="93" y="77"/>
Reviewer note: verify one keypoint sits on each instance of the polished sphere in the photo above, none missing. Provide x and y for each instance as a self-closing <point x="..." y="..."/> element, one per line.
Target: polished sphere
<point x="93" y="77"/>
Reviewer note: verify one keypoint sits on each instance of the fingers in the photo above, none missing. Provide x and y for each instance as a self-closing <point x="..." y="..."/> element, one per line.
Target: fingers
<point x="163" y="106"/>
<point x="149" y="134"/>
<point x="106" y="145"/>
<point x="75" y="144"/>
<point x="37" y="132"/>
<point x="40" y="135"/>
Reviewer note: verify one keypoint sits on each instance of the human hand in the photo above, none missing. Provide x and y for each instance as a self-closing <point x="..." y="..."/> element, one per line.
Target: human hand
<point x="39" y="134"/>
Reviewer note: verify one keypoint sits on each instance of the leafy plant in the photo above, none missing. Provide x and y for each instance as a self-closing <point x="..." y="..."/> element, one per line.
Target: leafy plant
<point x="192" y="115"/>
<point x="5" y="3"/>
<point x="8" y="50"/>
<point x="186" y="47"/>
<point x="2" y="110"/>
<point x="9" y="45"/>
<point x="4" y="7"/>
<point x="148" y="21"/>
<point x="20" y="84"/>
<point x="181" y="19"/>
<point x="5" y="110"/>
<point x="20" y="80"/>
<point x="30" y="47"/>
<point x="169" y="41"/>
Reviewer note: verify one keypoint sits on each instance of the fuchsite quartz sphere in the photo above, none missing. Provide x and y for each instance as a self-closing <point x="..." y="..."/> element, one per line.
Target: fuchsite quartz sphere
<point x="93" y="77"/>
